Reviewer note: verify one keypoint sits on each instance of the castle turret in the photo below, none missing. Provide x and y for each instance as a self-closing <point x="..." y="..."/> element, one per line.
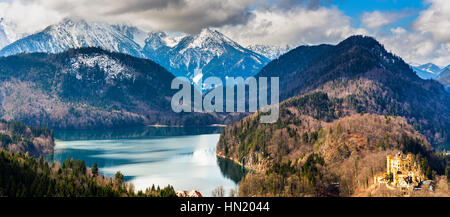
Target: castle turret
<point x="388" y="164"/>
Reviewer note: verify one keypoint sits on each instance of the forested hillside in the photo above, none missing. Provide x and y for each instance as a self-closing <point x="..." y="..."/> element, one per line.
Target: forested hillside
<point x="17" y="137"/>
<point x="360" y="71"/>
<point x="345" y="108"/>
<point x="304" y="155"/>
<point x="21" y="175"/>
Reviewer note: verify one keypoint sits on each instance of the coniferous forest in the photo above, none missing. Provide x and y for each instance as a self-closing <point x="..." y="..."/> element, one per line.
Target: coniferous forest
<point x="24" y="175"/>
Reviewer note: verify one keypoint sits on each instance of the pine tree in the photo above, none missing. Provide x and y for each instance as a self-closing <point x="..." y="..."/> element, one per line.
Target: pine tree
<point x="95" y="169"/>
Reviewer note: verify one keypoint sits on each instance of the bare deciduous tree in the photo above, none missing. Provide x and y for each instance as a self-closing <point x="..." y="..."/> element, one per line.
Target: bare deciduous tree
<point x="218" y="192"/>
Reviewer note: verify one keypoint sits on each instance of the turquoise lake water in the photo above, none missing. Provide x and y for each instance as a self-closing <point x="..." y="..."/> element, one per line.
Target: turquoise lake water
<point x="182" y="157"/>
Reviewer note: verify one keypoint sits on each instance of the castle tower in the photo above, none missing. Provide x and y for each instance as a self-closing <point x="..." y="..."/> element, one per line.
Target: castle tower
<point x="388" y="164"/>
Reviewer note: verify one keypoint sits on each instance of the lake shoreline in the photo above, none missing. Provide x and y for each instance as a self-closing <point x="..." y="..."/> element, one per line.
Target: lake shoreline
<point x="182" y="157"/>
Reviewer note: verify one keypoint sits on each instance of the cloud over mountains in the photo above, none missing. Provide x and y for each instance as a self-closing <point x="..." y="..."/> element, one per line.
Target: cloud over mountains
<point x="276" y="22"/>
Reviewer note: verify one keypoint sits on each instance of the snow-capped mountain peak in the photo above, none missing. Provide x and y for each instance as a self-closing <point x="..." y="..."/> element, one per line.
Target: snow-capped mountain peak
<point x="427" y="71"/>
<point x="208" y="36"/>
<point x="160" y="39"/>
<point x="76" y="33"/>
<point x="155" y="40"/>
<point x="172" y="40"/>
<point x="209" y="50"/>
<point x="431" y="68"/>
<point x="211" y="41"/>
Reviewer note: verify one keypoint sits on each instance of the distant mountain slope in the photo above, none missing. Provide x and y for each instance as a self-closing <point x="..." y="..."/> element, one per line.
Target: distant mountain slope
<point x="88" y="88"/>
<point x="210" y="50"/>
<point x="288" y="65"/>
<point x="76" y="33"/>
<point x="271" y="52"/>
<point x="427" y="71"/>
<point x="444" y="78"/>
<point x="360" y="71"/>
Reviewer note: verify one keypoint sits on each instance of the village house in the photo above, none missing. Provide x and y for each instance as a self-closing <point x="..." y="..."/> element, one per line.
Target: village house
<point x="193" y="193"/>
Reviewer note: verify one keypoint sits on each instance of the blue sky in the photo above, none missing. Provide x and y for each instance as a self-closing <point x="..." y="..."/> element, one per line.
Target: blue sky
<point x="416" y="30"/>
<point x="355" y="9"/>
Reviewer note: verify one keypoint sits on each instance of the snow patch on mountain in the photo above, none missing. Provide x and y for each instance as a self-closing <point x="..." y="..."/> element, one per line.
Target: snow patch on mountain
<point x="112" y="68"/>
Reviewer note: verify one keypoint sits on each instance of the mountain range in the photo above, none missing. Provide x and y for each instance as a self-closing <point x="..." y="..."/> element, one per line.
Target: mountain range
<point x="343" y="108"/>
<point x="211" y="51"/>
<point x="89" y="88"/>
<point x="428" y="71"/>
<point x="358" y="71"/>
<point x="179" y="53"/>
<point x="386" y="84"/>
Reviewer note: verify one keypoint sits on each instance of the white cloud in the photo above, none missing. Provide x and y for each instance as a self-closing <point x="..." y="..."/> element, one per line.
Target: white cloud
<point x="429" y="38"/>
<point x="376" y="19"/>
<point x="26" y="17"/>
<point x="182" y="15"/>
<point x="416" y="47"/>
<point x="296" y="26"/>
<point x="247" y="21"/>
<point x="435" y="20"/>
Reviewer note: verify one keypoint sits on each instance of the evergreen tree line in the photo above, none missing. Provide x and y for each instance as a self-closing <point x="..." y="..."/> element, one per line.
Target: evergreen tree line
<point x="23" y="176"/>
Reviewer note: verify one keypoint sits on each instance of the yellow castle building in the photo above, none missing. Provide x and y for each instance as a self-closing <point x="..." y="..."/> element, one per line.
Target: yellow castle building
<point x="402" y="171"/>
